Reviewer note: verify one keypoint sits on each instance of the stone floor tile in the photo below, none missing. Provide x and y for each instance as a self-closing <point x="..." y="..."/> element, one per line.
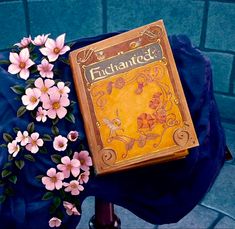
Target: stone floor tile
<point x="199" y="218"/>
<point x="88" y="210"/>
<point x="225" y="223"/>
<point x="221" y="197"/>
<point x="230" y="140"/>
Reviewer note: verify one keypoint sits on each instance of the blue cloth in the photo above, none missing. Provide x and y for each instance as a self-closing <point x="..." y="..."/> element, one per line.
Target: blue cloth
<point x="160" y="194"/>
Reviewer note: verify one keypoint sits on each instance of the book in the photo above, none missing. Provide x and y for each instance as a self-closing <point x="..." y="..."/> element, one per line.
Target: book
<point x="132" y="102"/>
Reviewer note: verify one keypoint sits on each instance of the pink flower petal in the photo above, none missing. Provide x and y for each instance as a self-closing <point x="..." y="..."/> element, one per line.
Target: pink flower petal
<point x="14" y="58"/>
<point x="64" y="101"/>
<point x="46" y="180"/>
<point x="60" y="41"/>
<point x="75" y="171"/>
<point x="51" y="172"/>
<point x="55" y="96"/>
<point x="44" y="51"/>
<point x="49" y="83"/>
<point x="35" y="135"/>
<point x="40" y="142"/>
<point x="51" y="113"/>
<point x="50" y="44"/>
<point x="39" y="83"/>
<point x="24" y="54"/>
<point x="58" y="184"/>
<point x="52" y="57"/>
<point x="34" y="149"/>
<point x="24" y="73"/>
<point x="65" y="160"/>
<point x="29" y="63"/>
<point x="61" y="112"/>
<point x="64" y="50"/>
<point x="14" y="69"/>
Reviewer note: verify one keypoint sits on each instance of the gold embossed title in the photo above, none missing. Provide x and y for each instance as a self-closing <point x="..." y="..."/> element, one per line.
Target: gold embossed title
<point x="123" y="62"/>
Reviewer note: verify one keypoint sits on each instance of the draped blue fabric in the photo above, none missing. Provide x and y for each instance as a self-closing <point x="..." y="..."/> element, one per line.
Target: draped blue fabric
<point x="160" y="194"/>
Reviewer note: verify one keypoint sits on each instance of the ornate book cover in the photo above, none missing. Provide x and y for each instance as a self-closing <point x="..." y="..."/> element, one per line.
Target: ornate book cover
<point x="134" y="109"/>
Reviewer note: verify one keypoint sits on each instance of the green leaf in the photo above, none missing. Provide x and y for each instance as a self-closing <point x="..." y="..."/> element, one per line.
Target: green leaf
<point x="16" y="129"/>
<point x="55" y="121"/>
<point x="43" y="150"/>
<point x="7" y="137"/>
<point x="5" y="62"/>
<point x="13" y="179"/>
<point x="67" y="83"/>
<point x="6" y="173"/>
<point x="29" y="157"/>
<point x="30" y="81"/>
<point x="47" y="196"/>
<point x="56" y="158"/>
<point x="7" y="164"/>
<point x="10" y="158"/>
<point x="21" y="111"/>
<point x="30" y="127"/>
<point x="3" y="145"/>
<point x="66" y="61"/>
<point x="62" y="193"/>
<point x="33" y="114"/>
<point x="20" y="164"/>
<point x="56" y="202"/>
<point x="72" y="103"/>
<point x="2" y="183"/>
<point x="46" y="138"/>
<point x="69" y="152"/>
<point x="18" y="89"/>
<point x="39" y="177"/>
<point x="55" y="130"/>
<point x="2" y="199"/>
<point x="70" y="117"/>
<point x="9" y="191"/>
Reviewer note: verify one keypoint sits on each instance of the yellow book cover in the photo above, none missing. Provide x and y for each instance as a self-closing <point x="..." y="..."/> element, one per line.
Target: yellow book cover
<point x="134" y="109"/>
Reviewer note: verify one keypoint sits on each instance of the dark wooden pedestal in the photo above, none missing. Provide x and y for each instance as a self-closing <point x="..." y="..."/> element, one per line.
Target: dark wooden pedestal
<point x="104" y="217"/>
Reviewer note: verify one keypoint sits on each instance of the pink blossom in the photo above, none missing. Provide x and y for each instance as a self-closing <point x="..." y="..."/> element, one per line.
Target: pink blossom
<point x="20" y="63"/>
<point x="44" y="86"/>
<point x="63" y="90"/>
<point x="23" y="138"/>
<point x="54" y="48"/>
<point x="73" y="136"/>
<point x="74" y="187"/>
<point x="53" y="179"/>
<point x="84" y="177"/>
<point x="56" y="105"/>
<point x="45" y="69"/>
<point x="41" y="115"/>
<point x="55" y="222"/>
<point x="24" y="42"/>
<point x="84" y="159"/>
<point x="13" y="148"/>
<point x="31" y="98"/>
<point x="60" y="143"/>
<point x="70" y="208"/>
<point x="68" y="166"/>
<point x="34" y="142"/>
<point x="40" y="39"/>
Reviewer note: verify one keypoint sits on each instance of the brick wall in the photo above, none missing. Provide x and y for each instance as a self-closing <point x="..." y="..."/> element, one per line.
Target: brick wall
<point x="210" y="24"/>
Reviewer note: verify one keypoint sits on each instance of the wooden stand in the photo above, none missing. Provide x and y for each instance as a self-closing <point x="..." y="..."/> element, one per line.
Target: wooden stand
<point x="104" y="217"/>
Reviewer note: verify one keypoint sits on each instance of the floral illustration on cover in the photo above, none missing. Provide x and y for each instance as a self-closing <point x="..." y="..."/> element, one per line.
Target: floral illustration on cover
<point x="155" y="116"/>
